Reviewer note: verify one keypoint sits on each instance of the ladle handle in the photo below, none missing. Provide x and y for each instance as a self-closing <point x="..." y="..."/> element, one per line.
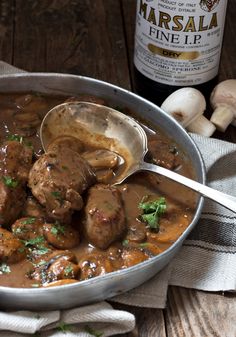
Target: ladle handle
<point x="223" y="199"/>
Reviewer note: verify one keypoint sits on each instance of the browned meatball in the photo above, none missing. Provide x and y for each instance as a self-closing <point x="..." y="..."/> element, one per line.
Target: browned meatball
<point x="57" y="179"/>
<point x="11" y="248"/>
<point x="104" y="220"/>
<point x="33" y="208"/>
<point x="15" y="161"/>
<point x="12" y="200"/>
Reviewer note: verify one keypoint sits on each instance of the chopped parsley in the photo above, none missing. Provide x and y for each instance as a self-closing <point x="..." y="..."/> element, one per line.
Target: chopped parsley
<point x="10" y="182"/>
<point x="16" y="138"/>
<point x="35" y="241"/>
<point x="36" y="245"/>
<point x="152" y="211"/>
<point x="28" y="221"/>
<point x="125" y="242"/>
<point x="41" y="250"/>
<point x="68" y="270"/>
<point x="57" y="195"/>
<point x="93" y="332"/>
<point x="21" y="249"/>
<point x="4" y="268"/>
<point x="63" y="327"/>
<point x="58" y="229"/>
<point x="20" y="139"/>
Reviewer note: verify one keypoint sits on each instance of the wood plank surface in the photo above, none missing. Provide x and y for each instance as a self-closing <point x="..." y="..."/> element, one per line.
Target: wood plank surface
<point x="77" y="37"/>
<point x="95" y="38"/>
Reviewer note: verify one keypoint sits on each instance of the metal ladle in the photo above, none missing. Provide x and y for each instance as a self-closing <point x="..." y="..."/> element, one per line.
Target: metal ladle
<point x="113" y="130"/>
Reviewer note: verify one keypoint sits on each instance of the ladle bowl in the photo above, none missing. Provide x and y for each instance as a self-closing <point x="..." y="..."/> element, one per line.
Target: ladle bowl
<point x="120" y="133"/>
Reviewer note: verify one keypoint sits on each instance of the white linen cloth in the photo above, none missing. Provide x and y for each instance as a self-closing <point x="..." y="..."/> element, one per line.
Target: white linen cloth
<point x="206" y="261"/>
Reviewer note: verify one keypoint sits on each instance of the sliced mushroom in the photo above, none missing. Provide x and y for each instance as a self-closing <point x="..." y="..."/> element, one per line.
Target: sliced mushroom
<point x="59" y="283"/>
<point x="187" y="106"/>
<point x="223" y="101"/>
<point x="55" y="266"/>
<point x="94" y="265"/>
<point x="27" y="228"/>
<point x="61" y="236"/>
<point x="101" y="159"/>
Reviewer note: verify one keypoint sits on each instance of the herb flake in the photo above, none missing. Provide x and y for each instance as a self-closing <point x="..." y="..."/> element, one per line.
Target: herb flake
<point x="152" y="211"/>
<point x="10" y="182"/>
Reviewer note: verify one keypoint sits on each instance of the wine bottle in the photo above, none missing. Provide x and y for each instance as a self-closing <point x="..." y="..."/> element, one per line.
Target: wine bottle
<point x="177" y="44"/>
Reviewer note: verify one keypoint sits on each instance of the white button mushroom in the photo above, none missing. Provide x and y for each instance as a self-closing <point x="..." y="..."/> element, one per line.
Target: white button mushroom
<point x="187" y="106"/>
<point x="223" y="101"/>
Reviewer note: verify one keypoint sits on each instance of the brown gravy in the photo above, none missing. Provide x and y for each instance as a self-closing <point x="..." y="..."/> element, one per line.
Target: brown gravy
<point x="21" y="114"/>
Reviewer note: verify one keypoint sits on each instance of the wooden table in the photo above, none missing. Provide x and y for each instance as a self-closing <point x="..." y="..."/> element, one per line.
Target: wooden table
<point x="95" y="38"/>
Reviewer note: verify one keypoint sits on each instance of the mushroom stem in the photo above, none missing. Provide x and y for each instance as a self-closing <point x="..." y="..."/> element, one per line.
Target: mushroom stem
<point x="202" y="126"/>
<point x="222" y="117"/>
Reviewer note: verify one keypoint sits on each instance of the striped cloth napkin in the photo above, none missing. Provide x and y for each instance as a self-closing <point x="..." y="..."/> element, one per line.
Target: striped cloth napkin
<point x="206" y="261"/>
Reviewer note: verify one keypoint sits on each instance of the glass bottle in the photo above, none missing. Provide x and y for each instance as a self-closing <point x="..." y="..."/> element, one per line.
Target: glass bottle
<point x="177" y="44"/>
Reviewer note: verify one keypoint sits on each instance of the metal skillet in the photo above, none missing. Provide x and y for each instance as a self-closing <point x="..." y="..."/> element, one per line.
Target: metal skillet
<point x="112" y="284"/>
<point x="120" y="133"/>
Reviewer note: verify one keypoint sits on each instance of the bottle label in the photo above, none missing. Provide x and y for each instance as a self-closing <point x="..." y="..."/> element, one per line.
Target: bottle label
<point x="178" y="42"/>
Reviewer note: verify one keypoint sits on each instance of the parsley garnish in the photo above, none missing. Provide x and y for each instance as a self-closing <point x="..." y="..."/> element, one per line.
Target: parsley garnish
<point x="92" y="332"/>
<point x="64" y="327"/>
<point x="34" y="242"/>
<point x="56" y="195"/>
<point x="20" y="139"/>
<point x="41" y="250"/>
<point x="10" y="182"/>
<point x="16" y="138"/>
<point x="58" y="229"/>
<point x="125" y="242"/>
<point x="152" y="210"/>
<point x="28" y="221"/>
<point x="4" y="268"/>
<point x="68" y="270"/>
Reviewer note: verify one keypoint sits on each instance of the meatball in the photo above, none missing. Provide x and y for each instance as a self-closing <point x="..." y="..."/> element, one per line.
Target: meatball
<point x="57" y="179"/>
<point x="15" y="164"/>
<point x="15" y="161"/>
<point x="12" y="200"/>
<point x="104" y="220"/>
